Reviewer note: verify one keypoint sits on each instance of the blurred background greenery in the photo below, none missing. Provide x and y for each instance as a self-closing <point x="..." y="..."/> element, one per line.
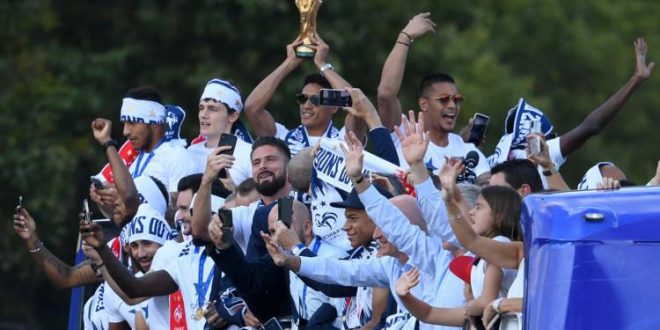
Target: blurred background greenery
<point x="63" y="63"/>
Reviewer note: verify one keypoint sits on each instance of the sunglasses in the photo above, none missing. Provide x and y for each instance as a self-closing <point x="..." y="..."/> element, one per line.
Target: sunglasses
<point x="302" y="99"/>
<point x="444" y="99"/>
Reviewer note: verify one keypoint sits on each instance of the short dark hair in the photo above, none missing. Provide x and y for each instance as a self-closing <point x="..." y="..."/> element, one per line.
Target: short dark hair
<point x="147" y="93"/>
<point x="192" y="181"/>
<point x="505" y="204"/>
<point x="163" y="190"/>
<point x="434" y="78"/>
<point x="316" y="78"/>
<point x="271" y="141"/>
<point x="518" y="172"/>
<point x="247" y="186"/>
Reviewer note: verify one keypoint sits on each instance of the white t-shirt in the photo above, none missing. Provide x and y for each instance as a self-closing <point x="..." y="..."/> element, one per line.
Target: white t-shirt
<point x="456" y="147"/>
<point x="159" y="306"/>
<point x="328" y="221"/>
<point x="478" y="275"/>
<point x="242" y="168"/>
<point x="308" y="300"/>
<point x="242" y="217"/>
<point x="94" y="316"/>
<point x="185" y="272"/>
<point x="118" y="311"/>
<point x="295" y="143"/>
<point x="168" y="164"/>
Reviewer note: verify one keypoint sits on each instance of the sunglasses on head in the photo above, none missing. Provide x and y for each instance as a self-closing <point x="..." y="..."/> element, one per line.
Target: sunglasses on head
<point x="302" y="98"/>
<point x="444" y="99"/>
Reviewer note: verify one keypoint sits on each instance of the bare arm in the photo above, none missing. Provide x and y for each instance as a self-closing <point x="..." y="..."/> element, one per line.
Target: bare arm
<point x="492" y="282"/>
<point x="260" y="119"/>
<point x="554" y="180"/>
<point x="389" y="106"/>
<point x="378" y="307"/>
<point x="504" y="255"/>
<point x="601" y="116"/>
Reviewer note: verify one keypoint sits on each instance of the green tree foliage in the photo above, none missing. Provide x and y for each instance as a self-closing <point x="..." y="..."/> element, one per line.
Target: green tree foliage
<point x="63" y="63"/>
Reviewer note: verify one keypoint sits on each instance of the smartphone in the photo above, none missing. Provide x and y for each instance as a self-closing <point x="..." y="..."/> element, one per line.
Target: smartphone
<point x="335" y="98"/>
<point x="226" y="218"/>
<point x="535" y="143"/>
<point x="479" y="124"/>
<point x="227" y="140"/>
<point x="88" y="216"/>
<point x="285" y="210"/>
<point x="20" y="203"/>
<point x="98" y="184"/>
<point x="272" y="324"/>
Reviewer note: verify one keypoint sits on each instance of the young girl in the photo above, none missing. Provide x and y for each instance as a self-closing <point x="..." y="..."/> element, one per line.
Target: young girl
<point x="495" y="216"/>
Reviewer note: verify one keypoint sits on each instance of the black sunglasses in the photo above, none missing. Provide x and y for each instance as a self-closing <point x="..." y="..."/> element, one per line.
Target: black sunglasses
<point x="302" y="98"/>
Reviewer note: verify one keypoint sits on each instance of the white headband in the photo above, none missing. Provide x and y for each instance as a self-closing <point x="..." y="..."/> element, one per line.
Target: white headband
<point x="593" y="176"/>
<point x="148" y="225"/>
<point x="223" y="92"/>
<point x="150" y="193"/>
<point x="142" y="111"/>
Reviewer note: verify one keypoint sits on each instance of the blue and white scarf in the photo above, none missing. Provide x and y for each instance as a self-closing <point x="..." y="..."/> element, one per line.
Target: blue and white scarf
<point x="297" y="139"/>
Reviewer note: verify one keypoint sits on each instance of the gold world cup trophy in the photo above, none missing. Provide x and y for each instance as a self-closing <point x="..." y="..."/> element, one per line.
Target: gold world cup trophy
<point x="308" y="10"/>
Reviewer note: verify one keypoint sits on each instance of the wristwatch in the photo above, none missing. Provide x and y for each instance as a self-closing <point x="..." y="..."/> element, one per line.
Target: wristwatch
<point x="326" y="66"/>
<point x="550" y="172"/>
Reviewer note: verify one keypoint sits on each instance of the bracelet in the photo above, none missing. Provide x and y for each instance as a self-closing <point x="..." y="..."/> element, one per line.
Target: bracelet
<point x="38" y="248"/>
<point x="407" y="35"/>
<point x="403" y="43"/>
<point x="109" y="143"/>
<point x="454" y="217"/>
<point x="358" y="181"/>
<point x="496" y="304"/>
<point x="96" y="267"/>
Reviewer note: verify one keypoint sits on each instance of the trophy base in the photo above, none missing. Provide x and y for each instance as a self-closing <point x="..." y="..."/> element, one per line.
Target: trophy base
<point x="303" y="51"/>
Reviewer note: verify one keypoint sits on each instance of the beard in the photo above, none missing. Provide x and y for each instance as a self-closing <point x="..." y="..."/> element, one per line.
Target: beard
<point x="270" y="188"/>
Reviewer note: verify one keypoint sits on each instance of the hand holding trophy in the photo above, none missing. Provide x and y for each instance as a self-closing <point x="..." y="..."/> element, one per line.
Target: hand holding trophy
<point x="308" y="10"/>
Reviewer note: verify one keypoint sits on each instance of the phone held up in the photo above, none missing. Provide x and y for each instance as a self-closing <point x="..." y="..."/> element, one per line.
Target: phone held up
<point x="88" y="216"/>
<point x="226" y="140"/>
<point x="479" y="125"/>
<point x="335" y="98"/>
<point x="285" y="210"/>
<point x="98" y="184"/>
<point x="227" y="219"/>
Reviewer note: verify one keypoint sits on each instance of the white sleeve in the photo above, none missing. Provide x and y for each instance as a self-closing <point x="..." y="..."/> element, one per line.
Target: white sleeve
<point x="178" y="166"/>
<point x="429" y="200"/>
<point x="112" y="302"/>
<point x="355" y="272"/>
<point x="424" y="251"/>
<point x="281" y="131"/>
<point x="399" y="151"/>
<point x="173" y="270"/>
<point x="242" y="218"/>
<point x="554" y="148"/>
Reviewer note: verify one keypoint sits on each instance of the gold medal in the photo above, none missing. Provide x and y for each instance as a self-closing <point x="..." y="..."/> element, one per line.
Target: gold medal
<point x="199" y="314"/>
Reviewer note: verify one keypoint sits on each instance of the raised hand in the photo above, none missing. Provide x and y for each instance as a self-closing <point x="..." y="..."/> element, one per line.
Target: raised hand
<point x="101" y="128"/>
<point x="414" y="141"/>
<point x="543" y="158"/>
<point x="216" y="162"/>
<point x="286" y="237"/>
<point x="216" y="233"/>
<point x="275" y="251"/>
<point x="642" y="71"/>
<point x="322" y="50"/>
<point x="353" y="155"/>
<point x="24" y="225"/>
<point x="448" y="174"/>
<point x="92" y="234"/>
<point x="419" y="25"/>
<point x="407" y="281"/>
<point x="291" y="51"/>
<point x="363" y="108"/>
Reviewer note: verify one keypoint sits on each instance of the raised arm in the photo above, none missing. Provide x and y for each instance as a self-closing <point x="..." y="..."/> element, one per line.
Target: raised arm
<point x="260" y="119"/>
<point x="156" y="283"/>
<point x="389" y="106"/>
<point x="421" y="310"/>
<point x="601" y="116"/>
<point x="101" y="128"/>
<point x="550" y="171"/>
<point x="61" y="274"/>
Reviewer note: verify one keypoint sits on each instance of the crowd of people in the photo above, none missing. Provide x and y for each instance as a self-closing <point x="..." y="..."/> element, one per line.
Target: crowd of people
<point x="433" y="241"/>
